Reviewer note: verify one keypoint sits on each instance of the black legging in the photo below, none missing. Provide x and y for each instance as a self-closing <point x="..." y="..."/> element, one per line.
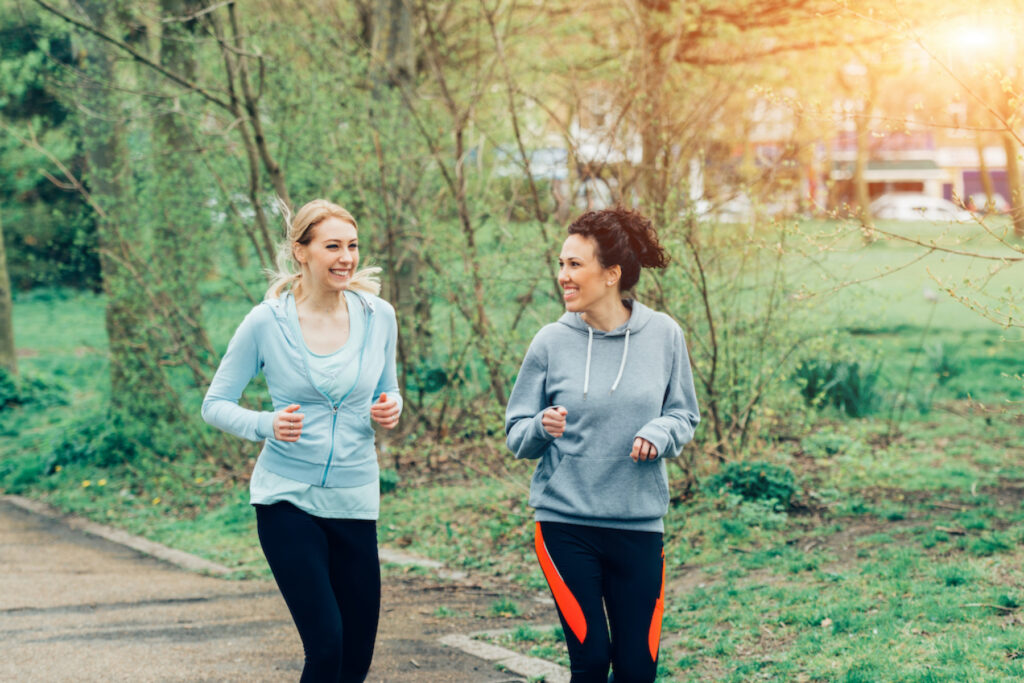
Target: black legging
<point x="329" y="574"/>
<point x="592" y="568"/>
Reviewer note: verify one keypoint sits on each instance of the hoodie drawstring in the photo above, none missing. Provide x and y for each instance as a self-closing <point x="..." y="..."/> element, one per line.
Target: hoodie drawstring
<point x="586" y="372"/>
<point x="622" y="363"/>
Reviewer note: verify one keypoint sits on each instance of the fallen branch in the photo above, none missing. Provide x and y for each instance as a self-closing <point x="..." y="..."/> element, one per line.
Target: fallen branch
<point x="986" y="604"/>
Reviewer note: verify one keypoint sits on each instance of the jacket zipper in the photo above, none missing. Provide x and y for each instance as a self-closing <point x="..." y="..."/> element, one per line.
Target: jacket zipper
<point x="368" y="311"/>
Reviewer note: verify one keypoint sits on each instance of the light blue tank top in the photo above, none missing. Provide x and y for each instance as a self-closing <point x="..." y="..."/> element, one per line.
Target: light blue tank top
<point x="334" y="374"/>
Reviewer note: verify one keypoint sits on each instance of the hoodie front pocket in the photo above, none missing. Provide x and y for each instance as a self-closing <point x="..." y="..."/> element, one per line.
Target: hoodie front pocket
<point x="605" y="488"/>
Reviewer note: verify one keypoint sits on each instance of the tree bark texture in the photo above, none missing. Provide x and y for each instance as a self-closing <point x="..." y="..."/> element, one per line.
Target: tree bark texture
<point x="393" y="59"/>
<point x="392" y="46"/>
<point x="132" y="365"/>
<point x="861" y="193"/>
<point x="1013" y="180"/>
<point x="8" y="356"/>
<point x="986" y="177"/>
<point x="181" y="244"/>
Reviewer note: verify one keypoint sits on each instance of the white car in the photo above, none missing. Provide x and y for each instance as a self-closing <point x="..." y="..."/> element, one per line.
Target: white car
<point x="979" y="200"/>
<point x="913" y="206"/>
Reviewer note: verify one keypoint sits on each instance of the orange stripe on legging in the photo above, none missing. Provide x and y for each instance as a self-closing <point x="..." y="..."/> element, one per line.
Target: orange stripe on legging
<point x="654" y="635"/>
<point x="564" y="598"/>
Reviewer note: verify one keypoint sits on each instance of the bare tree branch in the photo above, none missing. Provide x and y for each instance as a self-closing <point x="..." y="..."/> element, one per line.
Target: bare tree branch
<point x="33" y="143"/>
<point x="138" y="56"/>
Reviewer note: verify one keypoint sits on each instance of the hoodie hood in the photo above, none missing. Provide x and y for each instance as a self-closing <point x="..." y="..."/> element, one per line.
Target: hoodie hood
<point x="279" y="306"/>
<point x="639" y="316"/>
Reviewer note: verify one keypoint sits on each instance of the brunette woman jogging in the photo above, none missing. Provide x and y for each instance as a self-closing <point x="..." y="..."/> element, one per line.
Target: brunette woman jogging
<point x="603" y="396"/>
<point x="325" y="343"/>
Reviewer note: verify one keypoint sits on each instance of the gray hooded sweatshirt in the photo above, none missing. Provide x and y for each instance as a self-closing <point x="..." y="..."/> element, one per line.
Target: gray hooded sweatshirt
<point x="615" y="386"/>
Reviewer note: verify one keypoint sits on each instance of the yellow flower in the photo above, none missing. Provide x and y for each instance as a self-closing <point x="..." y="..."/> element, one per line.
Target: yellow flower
<point x="156" y="500"/>
<point x="200" y="480"/>
<point x="57" y="468"/>
<point x="101" y="482"/>
<point x="86" y="483"/>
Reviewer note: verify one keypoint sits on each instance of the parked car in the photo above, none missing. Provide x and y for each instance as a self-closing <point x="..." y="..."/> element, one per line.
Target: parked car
<point x="914" y="206"/>
<point x="737" y="208"/>
<point x="978" y="200"/>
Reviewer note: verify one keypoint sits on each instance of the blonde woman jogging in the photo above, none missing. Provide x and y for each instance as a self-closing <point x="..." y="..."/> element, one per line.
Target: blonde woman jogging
<point x="325" y="342"/>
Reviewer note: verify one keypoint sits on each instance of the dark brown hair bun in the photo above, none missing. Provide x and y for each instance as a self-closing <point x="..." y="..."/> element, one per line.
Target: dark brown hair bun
<point x="624" y="238"/>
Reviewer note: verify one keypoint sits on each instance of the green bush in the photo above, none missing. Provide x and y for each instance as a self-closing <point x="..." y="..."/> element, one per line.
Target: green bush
<point x="845" y="385"/>
<point x="99" y="439"/>
<point x="389" y="480"/>
<point x="755" y="481"/>
<point x="28" y="391"/>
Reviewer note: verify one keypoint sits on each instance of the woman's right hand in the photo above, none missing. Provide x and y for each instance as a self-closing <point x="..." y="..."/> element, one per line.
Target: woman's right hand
<point x="288" y="423"/>
<point x="553" y="420"/>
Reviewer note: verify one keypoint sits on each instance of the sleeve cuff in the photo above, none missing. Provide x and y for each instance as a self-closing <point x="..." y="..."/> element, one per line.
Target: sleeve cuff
<point x="265" y="426"/>
<point x="659" y="437"/>
<point x="539" y="428"/>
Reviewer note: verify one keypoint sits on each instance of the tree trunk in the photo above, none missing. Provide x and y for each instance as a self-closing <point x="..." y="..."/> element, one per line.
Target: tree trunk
<point x="393" y="49"/>
<point x="132" y="365"/>
<point x="650" y="113"/>
<point x="8" y="357"/>
<point x="861" y="193"/>
<point x="986" y="177"/>
<point x="1013" y="180"/>
<point x="181" y="245"/>
<point x="394" y="65"/>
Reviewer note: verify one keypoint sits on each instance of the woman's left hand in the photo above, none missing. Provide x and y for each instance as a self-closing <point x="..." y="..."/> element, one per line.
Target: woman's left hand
<point x="385" y="412"/>
<point x="643" y="450"/>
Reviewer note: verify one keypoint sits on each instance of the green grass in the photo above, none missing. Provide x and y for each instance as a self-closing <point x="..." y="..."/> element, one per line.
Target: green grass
<point x="899" y="560"/>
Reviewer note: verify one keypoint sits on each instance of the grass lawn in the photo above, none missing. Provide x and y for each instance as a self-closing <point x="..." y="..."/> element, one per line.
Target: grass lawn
<point x="899" y="557"/>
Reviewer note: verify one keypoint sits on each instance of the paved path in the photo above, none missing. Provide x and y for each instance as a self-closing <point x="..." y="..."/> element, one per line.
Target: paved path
<point x="78" y="608"/>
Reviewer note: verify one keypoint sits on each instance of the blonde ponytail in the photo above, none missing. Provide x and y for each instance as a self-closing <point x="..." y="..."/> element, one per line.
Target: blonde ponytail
<point x="288" y="274"/>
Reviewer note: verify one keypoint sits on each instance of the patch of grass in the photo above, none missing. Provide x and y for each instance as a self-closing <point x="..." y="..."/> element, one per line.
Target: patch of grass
<point x="954" y="575"/>
<point x="504" y="607"/>
<point x="525" y="634"/>
<point x="990" y="544"/>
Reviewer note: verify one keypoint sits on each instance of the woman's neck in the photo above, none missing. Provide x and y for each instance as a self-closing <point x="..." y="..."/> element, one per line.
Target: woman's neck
<point x="327" y="303"/>
<point x="607" y="314"/>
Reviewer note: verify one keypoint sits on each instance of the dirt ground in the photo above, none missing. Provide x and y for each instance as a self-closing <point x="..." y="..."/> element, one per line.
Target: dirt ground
<point x="77" y="608"/>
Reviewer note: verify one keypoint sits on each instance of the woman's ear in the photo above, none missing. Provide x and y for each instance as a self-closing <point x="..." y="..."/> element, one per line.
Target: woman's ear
<point x="613" y="275"/>
<point x="299" y="252"/>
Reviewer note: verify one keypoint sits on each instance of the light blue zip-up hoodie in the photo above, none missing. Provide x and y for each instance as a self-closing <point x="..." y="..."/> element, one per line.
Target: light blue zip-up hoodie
<point x="336" y="447"/>
<point x="615" y="386"/>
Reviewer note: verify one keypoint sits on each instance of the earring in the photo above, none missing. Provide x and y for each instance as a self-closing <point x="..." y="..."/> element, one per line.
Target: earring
<point x="611" y="282"/>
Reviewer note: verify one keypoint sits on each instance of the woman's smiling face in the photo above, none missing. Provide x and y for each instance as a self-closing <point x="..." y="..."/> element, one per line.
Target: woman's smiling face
<point x="331" y="257"/>
<point x="583" y="280"/>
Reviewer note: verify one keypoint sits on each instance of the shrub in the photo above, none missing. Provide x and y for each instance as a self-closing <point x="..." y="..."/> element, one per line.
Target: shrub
<point x="28" y="391"/>
<point x="845" y="385"/>
<point x="755" y="481"/>
<point x="96" y="439"/>
<point x="944" y="362"/>
<point x="389" y="480"/>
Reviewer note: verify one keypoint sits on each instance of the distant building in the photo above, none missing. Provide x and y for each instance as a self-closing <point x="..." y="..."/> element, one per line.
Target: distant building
<point x="938" y="165"/>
